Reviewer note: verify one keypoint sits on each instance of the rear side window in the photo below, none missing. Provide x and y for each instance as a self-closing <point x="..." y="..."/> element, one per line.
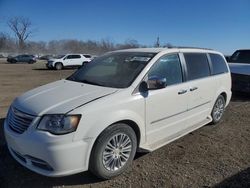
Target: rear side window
<point x="218" y="63"/>
<point x="73" y="57"/>
<point x="87" y="56"/>
<point x="197" y="65"/>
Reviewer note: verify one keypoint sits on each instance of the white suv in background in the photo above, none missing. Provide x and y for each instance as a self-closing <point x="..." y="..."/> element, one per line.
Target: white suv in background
<point x="69" y="60"/>
<point x="125" y="101"/>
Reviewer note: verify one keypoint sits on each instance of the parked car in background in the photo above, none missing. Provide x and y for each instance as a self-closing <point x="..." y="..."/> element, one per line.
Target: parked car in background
<point x="227" y="57"/>
<point x="69" y="60"/>
<point x="124" y="101"/>
<point x="22" y="59"/>
<point x="239" y="64"/>
<point x="46" y="57"/>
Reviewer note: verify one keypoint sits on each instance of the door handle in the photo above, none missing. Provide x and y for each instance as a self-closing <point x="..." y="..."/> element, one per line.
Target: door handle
<point x="193" y="88"/>
<point x="182" y="91"/>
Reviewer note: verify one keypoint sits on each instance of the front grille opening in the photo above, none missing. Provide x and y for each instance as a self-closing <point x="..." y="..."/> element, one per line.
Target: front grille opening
<point x="42" y="166"/>
<point x="18" y="121"/>
<point x="19" y="156"/>
<point x="40" y="163"/>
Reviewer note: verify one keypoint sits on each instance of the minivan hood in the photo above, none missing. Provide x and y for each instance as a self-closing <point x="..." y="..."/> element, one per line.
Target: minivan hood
<point x="59" y="97"/>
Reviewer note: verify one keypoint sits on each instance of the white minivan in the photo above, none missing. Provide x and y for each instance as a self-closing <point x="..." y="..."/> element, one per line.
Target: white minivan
<point x="124" y="101"/>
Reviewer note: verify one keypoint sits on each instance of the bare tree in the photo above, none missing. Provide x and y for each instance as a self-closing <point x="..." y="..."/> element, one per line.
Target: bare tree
<point x="22" y="28"/>
<point x="168" y="45"/>
<point x="3" y="39"/>
<point x="157" y="43"/>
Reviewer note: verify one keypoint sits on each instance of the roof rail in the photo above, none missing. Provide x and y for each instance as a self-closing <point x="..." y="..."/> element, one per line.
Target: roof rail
<point x="189" y="47"/>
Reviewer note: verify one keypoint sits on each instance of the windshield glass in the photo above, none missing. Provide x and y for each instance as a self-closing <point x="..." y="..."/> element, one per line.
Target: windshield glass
<point x="116" y="69"/>
<point x="59" y="56"/>
<point x="240" y="56"/>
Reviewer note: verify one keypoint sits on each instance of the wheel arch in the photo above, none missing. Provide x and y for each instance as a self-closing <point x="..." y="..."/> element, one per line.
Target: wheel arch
<point x="134" y="126"/>
<point x="128" y="122"/>
<point x="58" y="62"/>
<point x="224" y="95"/>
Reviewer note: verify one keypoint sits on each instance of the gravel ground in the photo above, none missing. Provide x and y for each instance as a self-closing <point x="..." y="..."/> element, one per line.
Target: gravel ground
<point x="213" y="156"/>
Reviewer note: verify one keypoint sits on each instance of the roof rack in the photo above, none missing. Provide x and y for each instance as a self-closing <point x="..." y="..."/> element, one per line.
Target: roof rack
<point x="188" y="47"/>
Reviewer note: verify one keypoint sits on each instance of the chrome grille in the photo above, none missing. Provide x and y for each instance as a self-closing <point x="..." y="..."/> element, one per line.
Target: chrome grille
<point x="19" y="121"/>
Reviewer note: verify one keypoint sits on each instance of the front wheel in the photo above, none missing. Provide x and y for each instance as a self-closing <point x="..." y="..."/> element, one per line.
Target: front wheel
<point x="113" y="151"/>
<point x="58" y="66"/>
<point x="218" y="109"/>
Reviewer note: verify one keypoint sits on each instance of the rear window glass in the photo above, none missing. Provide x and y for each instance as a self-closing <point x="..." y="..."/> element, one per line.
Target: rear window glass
<point x="197" y="65"/>
<point x="218" y="63"/>
<point x="87" y="56"/>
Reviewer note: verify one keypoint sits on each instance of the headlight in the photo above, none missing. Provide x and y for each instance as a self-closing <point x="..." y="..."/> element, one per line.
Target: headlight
<point x="59" y="124"/>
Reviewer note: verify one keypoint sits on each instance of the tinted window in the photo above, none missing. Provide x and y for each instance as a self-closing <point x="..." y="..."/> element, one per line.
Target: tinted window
<point x="197" y="65"/>
<point x="87" y="56"/>
<point x="241" y="56"/>
<point x="218" y="63"/>
<point x="168" y="67"/>
<point x="73" y="57"/>
<point x="76" y="56"/>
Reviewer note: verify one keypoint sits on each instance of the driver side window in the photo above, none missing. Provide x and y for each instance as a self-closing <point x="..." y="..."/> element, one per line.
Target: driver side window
<point x="169" y="67"/>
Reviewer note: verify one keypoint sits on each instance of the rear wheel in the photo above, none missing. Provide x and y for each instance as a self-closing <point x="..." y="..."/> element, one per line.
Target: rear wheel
<point x="113" y="151"/>
<point x="58" y="66"/>
<point x="218" y="109"/>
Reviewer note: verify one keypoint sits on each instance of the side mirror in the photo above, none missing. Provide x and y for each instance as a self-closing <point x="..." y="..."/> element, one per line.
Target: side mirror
<point x="143" y="87"/>
<point x="156" y="82"/>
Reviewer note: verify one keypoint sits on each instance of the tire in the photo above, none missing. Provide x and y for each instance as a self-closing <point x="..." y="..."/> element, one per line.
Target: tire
<point x="84" y="63"/>
<point x="218" y="110"/>
<point x="99" y="165"/>
<point x="58" y="66"/>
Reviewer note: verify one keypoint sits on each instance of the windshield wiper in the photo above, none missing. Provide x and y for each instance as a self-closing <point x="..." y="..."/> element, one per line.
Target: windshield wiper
<point x="91" y="82"/>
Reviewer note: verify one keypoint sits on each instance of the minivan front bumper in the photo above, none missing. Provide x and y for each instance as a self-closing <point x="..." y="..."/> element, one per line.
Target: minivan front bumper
<point x="48" y="154"/>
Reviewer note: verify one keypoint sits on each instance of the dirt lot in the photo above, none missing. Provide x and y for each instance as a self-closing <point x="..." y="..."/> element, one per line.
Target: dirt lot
<point x="213" y="156"/>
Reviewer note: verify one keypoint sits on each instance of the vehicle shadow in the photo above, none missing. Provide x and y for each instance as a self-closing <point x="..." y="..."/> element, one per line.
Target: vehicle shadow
<point x="241" y="179"/>
<point x="240" y="97"/>
<point x="45" y="69"/>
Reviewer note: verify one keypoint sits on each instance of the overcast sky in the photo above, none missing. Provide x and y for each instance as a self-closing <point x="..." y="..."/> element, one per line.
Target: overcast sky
<point x="223" y="25"/>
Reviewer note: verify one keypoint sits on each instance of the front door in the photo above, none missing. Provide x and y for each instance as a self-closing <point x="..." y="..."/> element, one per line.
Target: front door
<point x="166" y="108"/>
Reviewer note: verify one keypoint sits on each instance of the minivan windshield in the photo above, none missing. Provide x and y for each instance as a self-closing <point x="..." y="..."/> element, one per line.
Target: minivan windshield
<point x="115" y="69"/>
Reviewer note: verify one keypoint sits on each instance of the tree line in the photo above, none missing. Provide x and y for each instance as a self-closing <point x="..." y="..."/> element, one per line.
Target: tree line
<point x="23" y="30"/>
<point x="9" y="45"/>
